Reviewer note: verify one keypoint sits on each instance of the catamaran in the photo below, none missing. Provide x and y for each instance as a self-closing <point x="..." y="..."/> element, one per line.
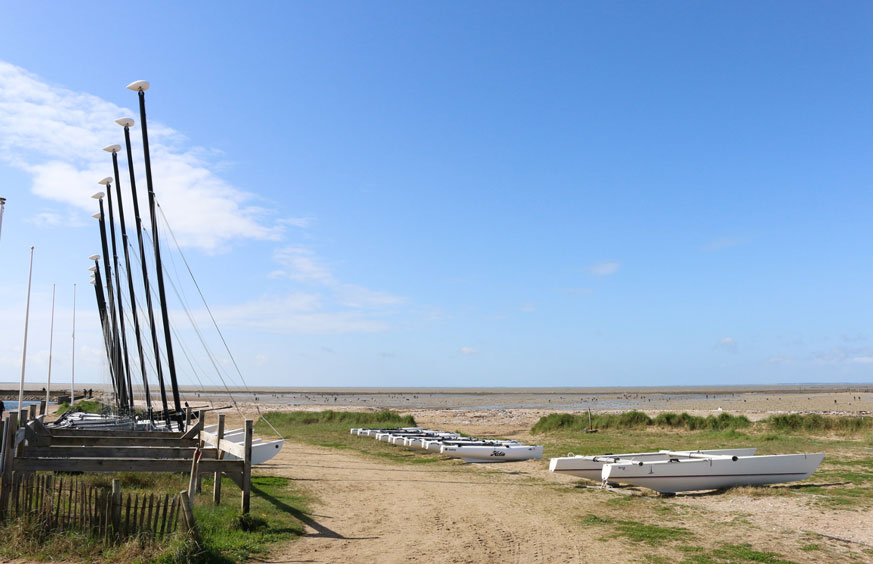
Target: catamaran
<point x="590" y="467"/>
<point x="712" y="472"/>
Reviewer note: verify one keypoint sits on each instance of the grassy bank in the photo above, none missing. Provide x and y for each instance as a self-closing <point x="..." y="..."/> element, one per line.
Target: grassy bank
<point x="331" y="429"/>
<point x="85" y="406"/>
<point x="278" y="511"/>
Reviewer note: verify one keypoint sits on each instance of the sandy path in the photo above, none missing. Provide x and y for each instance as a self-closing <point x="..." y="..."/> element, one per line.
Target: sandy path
<point x="447" y="514"/>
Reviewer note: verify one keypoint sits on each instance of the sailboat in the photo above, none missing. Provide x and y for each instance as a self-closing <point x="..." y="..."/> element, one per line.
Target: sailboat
<point x="114" y="306"/>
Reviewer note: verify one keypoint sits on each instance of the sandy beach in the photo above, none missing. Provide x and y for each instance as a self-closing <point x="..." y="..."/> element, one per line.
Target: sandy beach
<point x="370" y="510"/>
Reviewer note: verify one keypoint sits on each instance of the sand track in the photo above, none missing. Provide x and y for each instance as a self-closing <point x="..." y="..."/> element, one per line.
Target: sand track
<point x="369" y="511"/>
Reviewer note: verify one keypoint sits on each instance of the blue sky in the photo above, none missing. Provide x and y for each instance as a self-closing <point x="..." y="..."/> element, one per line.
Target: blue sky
<point x="496" y="194"/>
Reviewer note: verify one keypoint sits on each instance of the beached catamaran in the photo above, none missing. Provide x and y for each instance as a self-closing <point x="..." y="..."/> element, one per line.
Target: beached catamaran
<point x="454" y="445"/>
<point x="682" y="471"/>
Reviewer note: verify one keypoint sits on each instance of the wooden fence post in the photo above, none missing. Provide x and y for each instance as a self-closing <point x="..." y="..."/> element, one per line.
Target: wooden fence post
<point x="247" y="469"/>
<point x="22" y="417"/>
<point x="42" y="407"/>
<point x="8" y="453"/>
<point x="216" y="487"/>
<point x="187" y="416"/>
<point x="188" y="516"/>
<point x="31" y="411"/>
<point x="115" y="517"/>
<point x="195" y="472"/>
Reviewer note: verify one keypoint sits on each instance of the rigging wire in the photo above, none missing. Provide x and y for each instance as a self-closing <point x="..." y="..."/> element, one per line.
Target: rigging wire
<point x="212" y="317"/>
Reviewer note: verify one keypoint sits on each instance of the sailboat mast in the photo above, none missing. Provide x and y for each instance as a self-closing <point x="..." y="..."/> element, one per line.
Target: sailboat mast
<point x="171" y="364"/>
<point x="124" y="243"/>
<point x="2" y="207"/>
<point x="128" y="385"/>
<point x="24" y="348"/>
<point x="107" y="332"/>
<point x="48" y="386"/>
<point x="127" y="123"/>
<point x="73" y="363"/>
<point x="117" y="374"/>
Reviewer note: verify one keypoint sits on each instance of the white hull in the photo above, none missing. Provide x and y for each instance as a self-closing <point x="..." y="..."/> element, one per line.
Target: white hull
<point x="713" y="473"/>
<point x="262" y="451"/>
<point x="590" y="467"/>
<point x="496" y="453"/>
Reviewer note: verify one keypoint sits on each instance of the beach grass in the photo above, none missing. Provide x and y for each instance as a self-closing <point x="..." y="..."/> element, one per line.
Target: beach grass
<point x="331" y="429"/>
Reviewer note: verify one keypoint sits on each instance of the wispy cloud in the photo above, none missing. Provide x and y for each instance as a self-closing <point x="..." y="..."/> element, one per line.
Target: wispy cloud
<point x="604" y="268"/>
<point x="303" y="265"/>
<point x="56" y="135"/>
<point x="297" y="313"/>
<point x="722" y="243"/>
<point x="468" y="351"/>
<point x="727" y="344"/>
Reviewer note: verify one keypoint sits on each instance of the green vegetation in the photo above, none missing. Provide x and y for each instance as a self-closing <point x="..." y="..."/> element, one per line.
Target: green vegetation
<point x="640" y="532"/>
<point x="331" y="429"/>
<point x="777" y="424"/>
<point x="278" y="511"/>
<point x="347" y="419"/>
<point x="639" y="420"/>
<point x="85" y="406"/>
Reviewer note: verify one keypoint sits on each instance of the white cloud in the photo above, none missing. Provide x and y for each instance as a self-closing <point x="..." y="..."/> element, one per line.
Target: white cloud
<point x="862" y="360"/>
<point x="57" y="135"/>
<point x="301" y="264"/>
<point x="727" y="344"/>
<point x="298" y="313"/>
<point x="468" y="351"/>
<point x="604" y="268"/>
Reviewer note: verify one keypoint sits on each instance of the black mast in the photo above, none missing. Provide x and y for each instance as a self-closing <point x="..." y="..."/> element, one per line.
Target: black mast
<point x="126" y="360"/>
<point x="104" y="322"/>
<point x="140" y="87"/>
<point x="145" y="381"/>
<point x="116" y="361"/>
<point x="126" y="122"/>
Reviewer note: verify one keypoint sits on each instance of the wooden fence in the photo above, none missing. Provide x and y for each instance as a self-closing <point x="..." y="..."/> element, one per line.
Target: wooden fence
<point x="60" y="503"/>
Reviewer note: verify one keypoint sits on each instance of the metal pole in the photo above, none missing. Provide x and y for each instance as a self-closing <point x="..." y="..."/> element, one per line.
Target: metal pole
<point x="145" y="276"/>
<point x="177" y="405"/>
<point x="73" y="364"/>
<point x="2" y="206"/>
<point x="124" y="243"/>
<point x="26" y="321"/>
<point x="129" y="403"/>
<point x="48" y="386"/>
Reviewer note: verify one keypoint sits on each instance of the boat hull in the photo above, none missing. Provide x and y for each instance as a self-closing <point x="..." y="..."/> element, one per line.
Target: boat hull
<point x="590" y="467"/>
<point x="496" y="453"/>
<point x="674" y="476"/>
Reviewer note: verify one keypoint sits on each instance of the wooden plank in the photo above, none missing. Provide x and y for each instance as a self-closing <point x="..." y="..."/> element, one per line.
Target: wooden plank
<point x="171" y="525"/>
<point x="164" y="515"/>
<point x="245" y="502"/>
<point x="125" y="465"/>
<point x="85" y="433"/>
<point x="135" y="527"/>
<point x="143" y="513"/>
<point x="236" y="449"/>
<point x="10" y="425"/>
<point x="195" y="429"/>
<point x="122" y="442"/>
<point x="114" y="452"/>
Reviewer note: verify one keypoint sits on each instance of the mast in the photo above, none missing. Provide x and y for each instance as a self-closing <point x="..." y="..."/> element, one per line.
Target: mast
<point x="104" y="322"/>
<point x="26" y="321"/>
<point x="127" y="123"/>
<point x="145" y="381"/>
<point x="48" y="386"/>
<point x="114" y="362"/>
<point x="129" y="404"/>
<point x="2" y="206"/>
<point x="140" y="87"/>
<point x="73" y="363"/>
